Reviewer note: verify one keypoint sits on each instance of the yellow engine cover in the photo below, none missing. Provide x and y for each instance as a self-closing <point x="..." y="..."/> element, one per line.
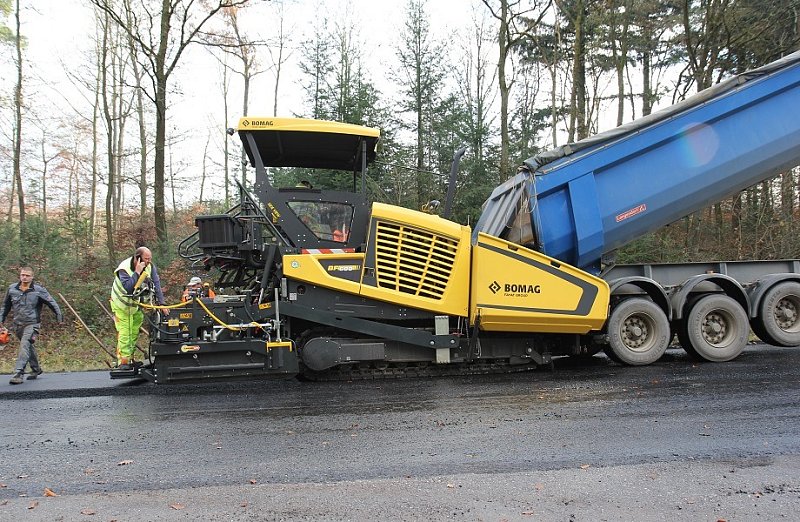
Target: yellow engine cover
<point x="515" y="289"/>
<point x="412" y="260"/>
<point x="417" y="260"/>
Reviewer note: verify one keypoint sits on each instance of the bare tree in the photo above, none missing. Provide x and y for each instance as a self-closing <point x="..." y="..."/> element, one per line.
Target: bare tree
<point x="233" y="41"/>
<point x="18" y="117"/>
<point x="162" y="31"/>
<point x="278" y="56"/>
<point x="511" y="32"/>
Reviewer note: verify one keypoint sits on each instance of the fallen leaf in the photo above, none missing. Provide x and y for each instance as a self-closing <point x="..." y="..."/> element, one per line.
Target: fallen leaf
<point x="244" y="504"/>
<point x="3" y="486"/>
<point x="253" y="481"/>
<point x="89" y="471"/>
<point x="177" y="506"/>
<point x="124" y="462"/>
<point x="586" y="466"/>
<point x="33" y="505"/>
<point x="22" y="476"/>
<point x="3" y="503"/>
<point x="451" y="486"/>
<point x="527" y="513"/>
<point x="50" y="493"/>
<point x="87" y="511"/>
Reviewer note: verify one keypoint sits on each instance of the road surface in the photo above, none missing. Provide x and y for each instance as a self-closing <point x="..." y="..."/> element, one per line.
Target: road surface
<point x="591" y="441"/>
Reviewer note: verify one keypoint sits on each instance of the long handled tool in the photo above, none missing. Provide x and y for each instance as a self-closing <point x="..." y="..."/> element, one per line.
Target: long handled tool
<point x="98" y="341"/>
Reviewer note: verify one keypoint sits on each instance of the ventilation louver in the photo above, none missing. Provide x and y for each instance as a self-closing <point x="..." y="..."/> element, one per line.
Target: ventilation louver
<point x="412" y="260"/>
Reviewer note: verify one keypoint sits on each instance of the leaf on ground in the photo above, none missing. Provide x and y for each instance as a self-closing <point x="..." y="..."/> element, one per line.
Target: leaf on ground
<point x="33" y="504"/>
<point x="88" y="511"/>
<point x="89" y="471"/>
<point x="22" y="476"/>
<point x="244" y="504"/>
<point x="50" y="493"/>
<point x="124" y="462"/>
<point x="177" y="506"/>
<point x="527" y="513"/>
<point x="3" y="486"/>
<point x="253" y="481"/>
<point x="3" y="503"/>
<point x="451" y="486"/>
<point x="585" y="466"/>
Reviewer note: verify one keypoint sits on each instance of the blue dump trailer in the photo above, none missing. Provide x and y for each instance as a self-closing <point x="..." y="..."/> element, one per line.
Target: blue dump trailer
<point x="580" y="202"/>
<point x="589" y="198"/>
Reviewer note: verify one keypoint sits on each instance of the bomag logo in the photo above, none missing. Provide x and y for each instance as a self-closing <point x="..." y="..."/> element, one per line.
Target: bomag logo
<point x="344" y="268"/>
<point x="261" y="123"/>
<point x="522" y="289"/>
<point x="515" y="289"/>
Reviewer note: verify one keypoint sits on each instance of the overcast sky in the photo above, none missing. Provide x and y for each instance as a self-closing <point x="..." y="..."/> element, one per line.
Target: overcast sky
<point x="60" y="37"/>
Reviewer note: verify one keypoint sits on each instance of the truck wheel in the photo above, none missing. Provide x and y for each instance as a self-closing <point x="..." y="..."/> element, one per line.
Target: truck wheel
<point x="716" y="329"/>
<point x="779" y="314"/>
<point x="638" y="332"/>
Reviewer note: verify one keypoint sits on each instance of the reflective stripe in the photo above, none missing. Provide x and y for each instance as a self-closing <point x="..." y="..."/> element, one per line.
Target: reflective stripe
<point x="118" y="293"/>
<point x="327" y="250"/>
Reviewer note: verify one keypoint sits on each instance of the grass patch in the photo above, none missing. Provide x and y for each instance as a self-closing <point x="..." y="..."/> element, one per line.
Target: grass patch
<point x="64" y="348"/>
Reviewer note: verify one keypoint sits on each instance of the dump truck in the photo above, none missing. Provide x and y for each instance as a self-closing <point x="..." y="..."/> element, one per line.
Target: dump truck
<point x="323" y="284"/>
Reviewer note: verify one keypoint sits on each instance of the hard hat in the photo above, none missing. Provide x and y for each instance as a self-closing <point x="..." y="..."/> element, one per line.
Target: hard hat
<point x="195" y="281"/>
<point x="3" y="336"/>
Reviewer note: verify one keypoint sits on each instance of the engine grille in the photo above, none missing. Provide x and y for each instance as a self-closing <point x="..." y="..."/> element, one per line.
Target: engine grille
<point x="413" y="261"/>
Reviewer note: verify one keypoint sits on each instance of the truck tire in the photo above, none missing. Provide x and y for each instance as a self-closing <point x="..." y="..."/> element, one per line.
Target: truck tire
<point x="779" y="314"/>
<point x="638" y="332"/>
<point x="715" y="329"/>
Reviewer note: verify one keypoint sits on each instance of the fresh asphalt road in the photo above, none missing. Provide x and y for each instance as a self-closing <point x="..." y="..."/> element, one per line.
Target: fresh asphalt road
<point x="592" y="441"/>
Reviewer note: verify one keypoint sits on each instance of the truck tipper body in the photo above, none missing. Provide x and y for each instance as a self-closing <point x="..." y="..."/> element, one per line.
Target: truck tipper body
<point x="325" y="284"/>
<point x="589" y="198"/>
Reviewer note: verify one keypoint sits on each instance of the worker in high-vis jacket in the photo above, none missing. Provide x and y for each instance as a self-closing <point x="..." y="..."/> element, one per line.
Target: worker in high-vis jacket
<point x="135" y="281"/>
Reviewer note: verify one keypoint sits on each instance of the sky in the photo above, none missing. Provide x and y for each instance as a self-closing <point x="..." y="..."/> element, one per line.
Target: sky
<point x="60" y="40"/>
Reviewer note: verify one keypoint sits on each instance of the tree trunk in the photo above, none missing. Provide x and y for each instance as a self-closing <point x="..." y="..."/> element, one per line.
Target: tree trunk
<point x="579" y="71"/>
<point x="18" y="123"/>
<point x="504" y="90"/>
<point x="109" y="145"/>
<point x="161" y="75"/>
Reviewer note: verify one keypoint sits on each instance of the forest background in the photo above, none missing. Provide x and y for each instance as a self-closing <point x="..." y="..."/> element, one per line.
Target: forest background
<point x="117" y="137"/>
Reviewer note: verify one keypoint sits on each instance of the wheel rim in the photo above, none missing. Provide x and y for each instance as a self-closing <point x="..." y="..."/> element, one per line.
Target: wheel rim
<point x="786" y="314"/>
<point x="636" y="332"/>
<point x="718" y="327"/>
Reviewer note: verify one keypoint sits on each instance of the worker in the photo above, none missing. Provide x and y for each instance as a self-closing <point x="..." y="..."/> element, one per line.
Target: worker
<point x="135" y="281"/>
<point x="26" y="298"/>
<point x="196" y="288"/>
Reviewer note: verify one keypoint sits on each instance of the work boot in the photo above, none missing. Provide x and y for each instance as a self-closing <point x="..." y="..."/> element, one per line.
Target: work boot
<point x="17" y="379"/>
<point x="34" y="374"/>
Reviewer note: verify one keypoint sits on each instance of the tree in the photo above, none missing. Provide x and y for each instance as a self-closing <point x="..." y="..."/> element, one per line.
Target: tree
<point x="233" y="41"/>
<point x="18" y="101"/>
<point x="316" y="66"/>
<point x="421" y="76"/>
<point x="162" y="31"/>
<point x="512" y="16"/>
